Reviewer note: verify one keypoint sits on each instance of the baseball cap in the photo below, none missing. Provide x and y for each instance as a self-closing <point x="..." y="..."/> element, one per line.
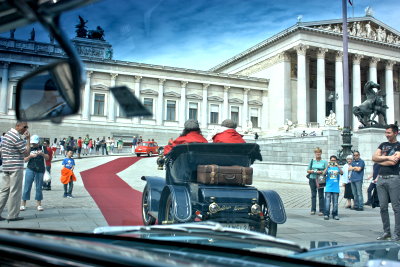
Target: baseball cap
<point x="35" y="139"/>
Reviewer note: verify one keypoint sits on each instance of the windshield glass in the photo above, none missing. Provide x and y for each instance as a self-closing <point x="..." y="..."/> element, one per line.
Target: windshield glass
<point x="265" y="121"/>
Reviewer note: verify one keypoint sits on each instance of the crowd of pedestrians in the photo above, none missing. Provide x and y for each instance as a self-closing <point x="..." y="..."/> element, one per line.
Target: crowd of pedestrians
<point x="19" y="147"/>
<point x="325" y="179"/>
<point x="87" y="146"/>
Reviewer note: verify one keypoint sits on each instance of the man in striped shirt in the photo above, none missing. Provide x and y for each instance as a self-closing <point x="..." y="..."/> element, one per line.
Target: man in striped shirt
<point x="14" y="149"/>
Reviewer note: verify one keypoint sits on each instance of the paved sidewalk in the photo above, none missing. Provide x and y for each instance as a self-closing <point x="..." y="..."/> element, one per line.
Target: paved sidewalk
<point x="82" y="214"/>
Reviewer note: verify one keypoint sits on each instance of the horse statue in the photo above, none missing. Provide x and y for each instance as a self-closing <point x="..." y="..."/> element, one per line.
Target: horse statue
<point x="374" y="104"/>
<point x="97" y="34"/>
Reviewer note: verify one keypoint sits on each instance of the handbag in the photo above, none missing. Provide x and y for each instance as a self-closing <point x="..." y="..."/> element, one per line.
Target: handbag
<point x="46" y="175"/>
<point x="321" y="180"/>
<point x="309" y="174"/>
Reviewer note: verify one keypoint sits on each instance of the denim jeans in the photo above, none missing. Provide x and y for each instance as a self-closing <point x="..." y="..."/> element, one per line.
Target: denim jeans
<point x="30" y="177"/>
<point x="389" y="189"/>
<point x="331" y="198"/>
<point x="356" y="187"/>
<point x="314" y="190"/>
<point x="103" y="148"/>
<point x="68" y="190"/>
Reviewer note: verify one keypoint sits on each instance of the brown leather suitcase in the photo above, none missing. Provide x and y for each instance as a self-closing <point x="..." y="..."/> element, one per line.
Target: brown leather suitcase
<point x="224" y="175"/>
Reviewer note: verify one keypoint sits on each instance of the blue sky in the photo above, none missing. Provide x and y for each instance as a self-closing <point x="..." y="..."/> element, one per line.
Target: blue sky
<point x="200" y="34"/>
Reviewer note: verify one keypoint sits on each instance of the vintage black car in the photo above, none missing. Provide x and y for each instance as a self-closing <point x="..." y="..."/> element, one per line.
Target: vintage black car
<point x="179" y="198"/>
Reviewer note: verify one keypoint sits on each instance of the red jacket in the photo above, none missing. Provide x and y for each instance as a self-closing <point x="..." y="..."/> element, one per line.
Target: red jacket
<point x="50" y="153"/>
<point x="191" y="137"/>
<point x="228" y="136"/>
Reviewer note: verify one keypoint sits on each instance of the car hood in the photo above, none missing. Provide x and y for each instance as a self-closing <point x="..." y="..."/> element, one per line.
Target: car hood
<point x="361" y="254"/>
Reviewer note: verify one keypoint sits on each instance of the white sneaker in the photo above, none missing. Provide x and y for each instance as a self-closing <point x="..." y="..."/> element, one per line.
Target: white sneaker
<point x="22" y="208"/>
<point x="40" y="208"/>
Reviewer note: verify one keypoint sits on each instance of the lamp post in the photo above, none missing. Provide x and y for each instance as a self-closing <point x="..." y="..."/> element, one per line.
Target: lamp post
<point x="346" y="135"/>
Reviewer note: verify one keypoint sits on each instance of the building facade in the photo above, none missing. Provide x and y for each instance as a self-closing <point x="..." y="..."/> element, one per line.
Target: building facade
<point x="294" y="75"/>
<point x="304" y="65"/>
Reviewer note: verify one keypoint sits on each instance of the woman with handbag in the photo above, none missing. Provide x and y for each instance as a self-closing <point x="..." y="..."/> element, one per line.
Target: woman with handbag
<point x="34" y="173"/>
<point x="345" y="180"/>
<point x="315" y="169"/>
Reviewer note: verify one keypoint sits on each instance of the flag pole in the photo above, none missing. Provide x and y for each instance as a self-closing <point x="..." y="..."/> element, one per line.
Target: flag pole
<point x="346" y="147"/>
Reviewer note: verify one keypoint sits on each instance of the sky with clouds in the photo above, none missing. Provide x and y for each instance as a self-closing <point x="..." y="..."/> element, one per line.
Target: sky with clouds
<point x="200" y="34"/>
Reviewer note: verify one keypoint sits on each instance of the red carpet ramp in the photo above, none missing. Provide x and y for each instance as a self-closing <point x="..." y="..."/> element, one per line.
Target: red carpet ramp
<point x="119" y="203"/>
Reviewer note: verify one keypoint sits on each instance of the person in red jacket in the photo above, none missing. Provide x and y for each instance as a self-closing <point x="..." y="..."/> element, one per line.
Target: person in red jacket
<point x="47" y="186"/>
<point x="228" y="134"/>
<point x="190" y="134"/>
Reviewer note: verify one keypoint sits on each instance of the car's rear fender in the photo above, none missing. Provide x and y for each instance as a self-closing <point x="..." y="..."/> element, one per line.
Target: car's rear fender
<point x="155" y="186"/>
<point x="274" y="203"/>
<point x="181" y="202"/>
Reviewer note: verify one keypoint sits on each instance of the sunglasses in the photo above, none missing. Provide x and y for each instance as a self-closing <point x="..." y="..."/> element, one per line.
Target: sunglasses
<point x="26" y="127"/>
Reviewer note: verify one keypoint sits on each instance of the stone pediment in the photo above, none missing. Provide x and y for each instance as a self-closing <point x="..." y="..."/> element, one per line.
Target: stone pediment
<point x="255" y="103"/>
<point x="194" y="96"/>
<point x="148" y="92"/>
<point x="215" y="98"/>
<point x="235" y="101"/>
<point x="99" y="86"/>
<point x="366" y="29"/>
<point x="172" y="94"/>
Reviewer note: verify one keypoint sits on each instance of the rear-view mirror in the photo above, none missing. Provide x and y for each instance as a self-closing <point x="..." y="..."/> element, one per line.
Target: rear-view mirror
<point x="47" y="93"/>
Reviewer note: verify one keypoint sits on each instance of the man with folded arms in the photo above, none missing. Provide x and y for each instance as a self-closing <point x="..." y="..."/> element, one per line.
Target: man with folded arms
<point x="14" y="149"/>
<point x="387" y="155"/>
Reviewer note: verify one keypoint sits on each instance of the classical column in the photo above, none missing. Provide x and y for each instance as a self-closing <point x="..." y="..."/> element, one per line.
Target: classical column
<point x="264" y="112"/>
<point x="389" y="91"/>
<point x="136" y="120"/>
<point x="160" y="102"/>
<point x="301" y="84"/>
<point x="111" y="99"/>
<point x="204" y="108"/>
<point x="356" y="90"/>
<point x="308" y="91"/>
<point x="245" y="112"/>
<point x="182" y="112"/>
<point x="339" y="104"/>
<point x="321" y="97"/>
<point x="86" y="97"/>
<point x="373" y="76"/>
<point x="4" y="87"/>
<point x="225" y="111"/>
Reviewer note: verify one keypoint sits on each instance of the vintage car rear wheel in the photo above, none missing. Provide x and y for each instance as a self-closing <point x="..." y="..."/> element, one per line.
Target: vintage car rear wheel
<point x="169" y="213"/>
<point x="137" y="155"/>
<point x="147" y="218"/>
<point x="271" y="228"/>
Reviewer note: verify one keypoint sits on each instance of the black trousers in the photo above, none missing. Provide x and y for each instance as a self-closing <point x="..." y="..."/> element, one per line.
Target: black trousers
<point x="314" y="191"/>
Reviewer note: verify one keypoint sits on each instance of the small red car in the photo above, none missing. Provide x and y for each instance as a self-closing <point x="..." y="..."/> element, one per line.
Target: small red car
<point x="148" y="147"/>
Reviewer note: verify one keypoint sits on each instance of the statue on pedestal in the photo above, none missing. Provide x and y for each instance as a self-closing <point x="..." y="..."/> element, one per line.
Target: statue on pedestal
<point x="97" y="34"/>
<point x="289" y="125"/>
<point x="12" y="34"/>
<point x="331" y="119"/>
<point x="32" y="35"/>
<point x="81" y="31"/>
<point x="374" y="105"/>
